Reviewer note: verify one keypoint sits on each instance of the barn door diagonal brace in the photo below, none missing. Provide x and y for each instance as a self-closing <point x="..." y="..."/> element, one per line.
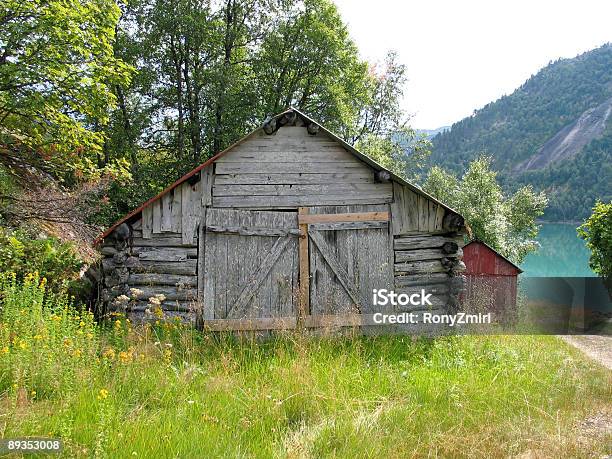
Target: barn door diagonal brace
<point x="337" y="268"/>
<point x="257" y="277"/>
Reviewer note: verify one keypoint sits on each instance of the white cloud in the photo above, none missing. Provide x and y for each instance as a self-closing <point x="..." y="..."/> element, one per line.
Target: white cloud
<point x="461" y="55"/>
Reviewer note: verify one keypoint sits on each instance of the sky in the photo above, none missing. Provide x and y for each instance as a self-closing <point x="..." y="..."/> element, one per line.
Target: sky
<point x="462" y="54"/>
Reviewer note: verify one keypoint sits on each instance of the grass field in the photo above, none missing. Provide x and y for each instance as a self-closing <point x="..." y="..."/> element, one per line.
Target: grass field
<point x="168" y="391"/>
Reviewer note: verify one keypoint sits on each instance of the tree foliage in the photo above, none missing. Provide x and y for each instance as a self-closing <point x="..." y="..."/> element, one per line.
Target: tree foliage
<point x="597" y="231"/>
<point x="57" y="68"/>
<point x="507" y="224"/>
<point x="210" y="72"/>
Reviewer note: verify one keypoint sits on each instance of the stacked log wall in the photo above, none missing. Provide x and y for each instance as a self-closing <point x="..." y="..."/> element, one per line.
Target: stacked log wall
<point x="427" y="248"/>
<point x="156" y="255"/>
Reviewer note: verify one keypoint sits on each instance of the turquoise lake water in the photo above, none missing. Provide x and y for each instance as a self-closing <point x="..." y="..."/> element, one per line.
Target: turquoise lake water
<point x="562" y="254"/>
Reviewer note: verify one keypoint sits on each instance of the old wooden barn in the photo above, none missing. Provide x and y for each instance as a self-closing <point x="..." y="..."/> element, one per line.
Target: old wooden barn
<point x="288" y="227"/>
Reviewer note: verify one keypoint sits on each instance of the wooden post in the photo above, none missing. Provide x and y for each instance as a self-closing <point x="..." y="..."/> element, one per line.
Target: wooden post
<point x="304" y="288"/>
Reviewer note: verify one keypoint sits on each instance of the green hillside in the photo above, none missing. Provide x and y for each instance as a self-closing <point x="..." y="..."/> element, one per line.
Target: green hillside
<point x="554" y="132"/>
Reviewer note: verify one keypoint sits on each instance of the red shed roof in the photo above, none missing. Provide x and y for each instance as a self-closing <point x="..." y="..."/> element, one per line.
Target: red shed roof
<point x="482" y="259"/>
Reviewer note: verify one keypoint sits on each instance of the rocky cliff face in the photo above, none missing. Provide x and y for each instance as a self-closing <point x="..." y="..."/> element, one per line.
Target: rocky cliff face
<point x="570" y="140"/>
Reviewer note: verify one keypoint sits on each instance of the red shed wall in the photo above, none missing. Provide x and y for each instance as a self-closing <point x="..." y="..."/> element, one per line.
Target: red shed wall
<point x="480" y="259"/>
<point x="491" y="280"/>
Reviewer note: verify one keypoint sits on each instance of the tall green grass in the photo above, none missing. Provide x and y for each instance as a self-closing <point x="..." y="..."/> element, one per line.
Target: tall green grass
<point x="170" y="391"/>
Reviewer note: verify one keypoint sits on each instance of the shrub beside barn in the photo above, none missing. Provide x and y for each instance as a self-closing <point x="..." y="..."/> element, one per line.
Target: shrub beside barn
<point x="289" y="226"/>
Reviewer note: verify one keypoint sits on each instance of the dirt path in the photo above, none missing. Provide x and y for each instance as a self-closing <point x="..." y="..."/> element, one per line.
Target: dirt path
<point x="599" y="348"/>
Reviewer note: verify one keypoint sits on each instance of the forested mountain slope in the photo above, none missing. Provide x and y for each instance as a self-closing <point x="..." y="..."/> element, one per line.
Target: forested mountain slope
<point x="554" y="132"/>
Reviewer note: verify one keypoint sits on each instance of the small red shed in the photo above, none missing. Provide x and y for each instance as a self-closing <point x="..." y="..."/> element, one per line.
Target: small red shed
<point x="491" y="278"/>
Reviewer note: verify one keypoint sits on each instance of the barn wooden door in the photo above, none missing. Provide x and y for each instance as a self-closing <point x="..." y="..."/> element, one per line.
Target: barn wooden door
<point x="350" y="251"/>
<point x="250" y="268"/>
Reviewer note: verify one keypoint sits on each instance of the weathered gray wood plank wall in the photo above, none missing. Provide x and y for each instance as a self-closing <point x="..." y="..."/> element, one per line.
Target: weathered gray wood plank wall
<point x="293" y="168"/>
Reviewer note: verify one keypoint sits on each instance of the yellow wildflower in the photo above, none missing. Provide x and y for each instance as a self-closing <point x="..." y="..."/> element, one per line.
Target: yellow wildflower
<point x="23" y="345"/>
<point x="125" y="357"/>
<point x="67" y="342"/>
<point x="117" y="324"/>
<point x="38" y="337"/>
<point x="33" y="393"/>
<point x="102" y="394"/>
<point x="90" y="335"/>
<point x="109" y="353"/>
<point x="81" y="324"/>
<point x="5" y="350"/>
<point x="77" y="353"/>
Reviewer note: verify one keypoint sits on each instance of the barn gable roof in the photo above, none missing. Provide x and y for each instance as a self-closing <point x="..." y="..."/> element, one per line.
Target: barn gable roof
<point x="269" y="126"/>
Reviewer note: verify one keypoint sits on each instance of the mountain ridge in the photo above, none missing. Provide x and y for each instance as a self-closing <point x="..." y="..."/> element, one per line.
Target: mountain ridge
<point x="545" y="133"/>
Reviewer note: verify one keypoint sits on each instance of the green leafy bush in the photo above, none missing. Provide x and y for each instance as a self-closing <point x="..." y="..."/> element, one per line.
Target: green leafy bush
<point x="597" y="231"/>
<point x="22" y="253"/>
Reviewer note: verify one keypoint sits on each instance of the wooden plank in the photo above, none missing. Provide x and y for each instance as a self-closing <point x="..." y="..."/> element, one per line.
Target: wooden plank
<point x="439" y="218"/>
<point x="339" y="226"/>
<point x="289" y="167"/>
<point x="157" y="216"/>
<point x="398" y="209"/>
<point x="256" y="278"/>
<point x="344" y="217"/>
<point x="158" y="236"/>
<point x="357" y="320"/>
<point x="423" y="214"/>
<point x="296" y="201"/>
<point x="147" y="222"/>
<point x="302" y="190"/>
<point x="175" y="306"/>
<point x="418" y="255"/>
<point x="177" y="210"/>
<point x="295" y="178"/>
<point x="171" y="293"/>
<point x="172" y="241"/>
<point x="246" y="231"/>
<point x="206" y="183"/>
<point x="430" y="266"/>
<point x="424" y="242"/>
<point x="250" y="324"/>
<point x="304" y="266"/>
<point x="165" y="254"/>
<point x="424" y="254"/>
<point x="186" y="267"/>
<point x="431" y="223"/>
<point x="190" y="210"/>
<point x="310" y="321"/>
<point x="422" y="279"/>
<point x="316" y="152"/>
<point x="338" y="270"/>
<point x="166" y="212"/>
<point x="412" y="201"/>
<point x="161" y="279"/>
